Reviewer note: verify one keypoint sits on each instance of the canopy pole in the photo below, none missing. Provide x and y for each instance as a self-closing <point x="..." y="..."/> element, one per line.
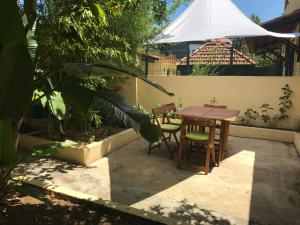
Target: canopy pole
<point x="231" y="51"/>
<point x="188" y="58"/>
<point x="146" y="61"/>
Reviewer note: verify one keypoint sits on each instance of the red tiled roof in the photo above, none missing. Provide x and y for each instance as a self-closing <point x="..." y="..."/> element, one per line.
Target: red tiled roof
<point x="217" y="52"/>
<point x="159" y="56"/>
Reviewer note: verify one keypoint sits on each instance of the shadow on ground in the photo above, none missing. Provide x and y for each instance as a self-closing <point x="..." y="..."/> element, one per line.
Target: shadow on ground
<point x="42" y="168"/>
<point x="191" y="214"/>
<point x="257" y="183"/>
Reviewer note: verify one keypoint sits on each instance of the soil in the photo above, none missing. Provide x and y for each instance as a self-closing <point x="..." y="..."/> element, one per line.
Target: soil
<point x="82" y="137"/>
<point x="28" y="205"/>
<point x="94" y="134"/>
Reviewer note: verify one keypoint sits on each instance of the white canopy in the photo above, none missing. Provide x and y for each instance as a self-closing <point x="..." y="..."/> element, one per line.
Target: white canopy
<point x="211" y="19"/>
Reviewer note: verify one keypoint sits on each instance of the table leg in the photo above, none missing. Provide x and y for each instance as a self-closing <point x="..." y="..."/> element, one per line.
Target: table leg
<point x="223" y="139"/>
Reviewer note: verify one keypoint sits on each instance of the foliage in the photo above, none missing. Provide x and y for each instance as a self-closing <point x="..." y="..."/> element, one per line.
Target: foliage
<point x="268" y="118"/>
<point x="15" y="60"/>
<point x="141" y="108"/>
<point x="16" y="76"/>
<point x="51" y="149"/>
<point x="90" y="38"/>
<point x="265" y="59"/>
<point x="265" y="114"/>
<point x="205" y="70"/>
<point x="255" y="18"/>
<point x="86" y="32"/>
<point x="75" y="33"/>
<point x="240" y="43"/>
<point x="249" y="116"/>
<point x="284" y="105"/>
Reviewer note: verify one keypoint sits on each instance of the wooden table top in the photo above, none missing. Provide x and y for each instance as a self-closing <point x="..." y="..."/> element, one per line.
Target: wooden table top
<point x="209" y="113"/>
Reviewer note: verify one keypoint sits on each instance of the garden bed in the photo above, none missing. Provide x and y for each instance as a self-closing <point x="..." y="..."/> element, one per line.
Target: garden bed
<point x="30" y="205"/>
<point x="81" y="153"/>
<point x="297" y="142"/>
<point x="262" y="133"/>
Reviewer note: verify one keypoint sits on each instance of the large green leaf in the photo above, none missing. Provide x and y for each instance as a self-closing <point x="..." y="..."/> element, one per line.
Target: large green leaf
<point x="79" y="97"/>
<point x="57" y="105"/>
<point x="8" y="152"/>
<point x="10" y="23"/>
<point x="82" y="98"/>
<point x="31" y="36"/>
<point x="140" y="121"/>
<point x="77" y="69"/>
<point x="39" y="94"/>
<point x="16" y="80"/>
<point x="51" y="149"/>
<point x="151" y="132"/>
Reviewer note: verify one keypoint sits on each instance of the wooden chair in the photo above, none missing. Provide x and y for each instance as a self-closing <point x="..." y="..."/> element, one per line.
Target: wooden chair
<point x="170" y="109"/>
<point x="218" y="124"/>
<point x="162" y="119"/>
<point x="191" y="131"/>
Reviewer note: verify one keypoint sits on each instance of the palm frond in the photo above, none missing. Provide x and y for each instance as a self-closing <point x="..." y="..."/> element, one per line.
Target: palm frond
<point x="139" y="121"/>
<point x="123" y="111"/>
<point x="30" y="28"/>
<point x="112" y="69"/>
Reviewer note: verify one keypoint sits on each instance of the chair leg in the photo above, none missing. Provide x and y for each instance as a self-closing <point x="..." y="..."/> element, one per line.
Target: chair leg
<point x="168" y="147"/>
<point x="152" y="147"/>
<point x="213" y="154"/>
<point x="188" y="146"/>
<point x="176" y="139"/>
<point x="208" y="152"/>
<point x="180" y="153"/>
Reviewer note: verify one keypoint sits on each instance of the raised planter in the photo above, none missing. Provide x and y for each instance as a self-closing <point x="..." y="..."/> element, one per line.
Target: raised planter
<point x="297" y="142"/>
<point x="84" y="154"/>
<point x="262" y="133"/>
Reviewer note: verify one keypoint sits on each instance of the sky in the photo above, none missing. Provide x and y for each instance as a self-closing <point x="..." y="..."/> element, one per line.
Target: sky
<point x="265" y="9"/>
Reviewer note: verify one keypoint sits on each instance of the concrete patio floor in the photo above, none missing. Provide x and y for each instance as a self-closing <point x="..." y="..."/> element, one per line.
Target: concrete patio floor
<point x="257" y="183"/>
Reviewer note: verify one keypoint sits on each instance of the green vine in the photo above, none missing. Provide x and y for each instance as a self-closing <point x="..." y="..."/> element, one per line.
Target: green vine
<point x="270" y="120"/>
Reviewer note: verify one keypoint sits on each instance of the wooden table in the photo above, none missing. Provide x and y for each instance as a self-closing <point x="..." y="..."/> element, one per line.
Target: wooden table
<point x="224" y="115"/>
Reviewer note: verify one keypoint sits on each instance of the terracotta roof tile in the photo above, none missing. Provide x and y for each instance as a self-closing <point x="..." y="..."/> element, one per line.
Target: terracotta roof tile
<point x="218" y="53"/>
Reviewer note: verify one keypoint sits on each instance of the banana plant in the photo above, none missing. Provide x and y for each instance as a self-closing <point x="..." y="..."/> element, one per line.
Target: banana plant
<point x="18" y="79"/>
<point x="82" y="98"/>
<point x="16" y="84"/>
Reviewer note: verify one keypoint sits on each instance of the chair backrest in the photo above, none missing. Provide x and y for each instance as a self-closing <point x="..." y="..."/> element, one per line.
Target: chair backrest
<point x="215" y="106"/>
<point x="191" y="121"/>
<point x="164" y="111"/>
<point x="190" y="124"/>
<point x="170" y="107"/>
<point x="160" y="112"/>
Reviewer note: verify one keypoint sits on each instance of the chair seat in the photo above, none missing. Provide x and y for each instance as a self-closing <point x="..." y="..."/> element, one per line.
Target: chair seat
<point x="197" y="136"/>
<point x="169" y="127"/>
<point x="176" y="121"/>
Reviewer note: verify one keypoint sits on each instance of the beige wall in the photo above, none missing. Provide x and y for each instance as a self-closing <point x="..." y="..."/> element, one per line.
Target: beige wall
<point x="129" y="91"/>
<point x="234" y="91"/>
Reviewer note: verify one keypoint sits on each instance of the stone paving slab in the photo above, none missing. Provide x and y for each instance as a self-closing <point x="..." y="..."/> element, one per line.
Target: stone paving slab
<point x="258" y="181"/>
